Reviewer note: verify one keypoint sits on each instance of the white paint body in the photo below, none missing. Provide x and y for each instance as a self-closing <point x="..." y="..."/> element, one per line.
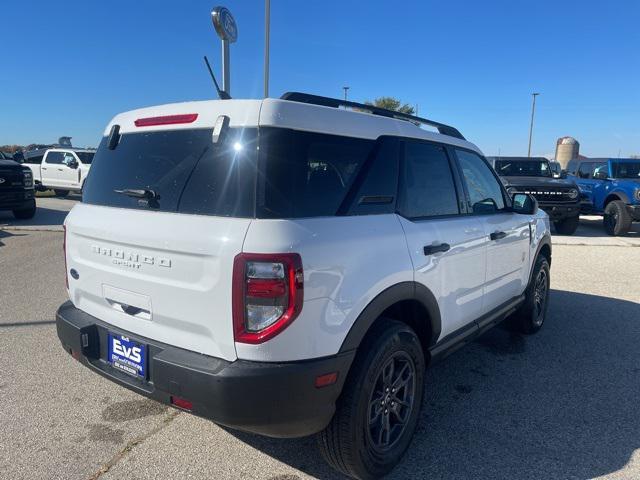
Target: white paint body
<point x="60" y="176"/>
<point x="177" y="268"/>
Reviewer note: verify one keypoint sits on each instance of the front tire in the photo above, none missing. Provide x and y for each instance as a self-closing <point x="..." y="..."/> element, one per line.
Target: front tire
<point x="617" y="220"/>
<point x="60" y="193"/>
<point x="530" y="316"/>
<point x="26" y="213"/>
<point x="377" y="412"/>
<point x="568" y="226"/>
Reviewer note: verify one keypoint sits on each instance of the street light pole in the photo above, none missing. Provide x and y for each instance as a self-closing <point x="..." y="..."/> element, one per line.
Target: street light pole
<point x="267" y="22"/>
<point x="346" y="89"/>
<point x="533" y="112"/>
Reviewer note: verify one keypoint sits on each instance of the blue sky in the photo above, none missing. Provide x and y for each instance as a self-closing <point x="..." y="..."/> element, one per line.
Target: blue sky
<point x="70" y="66"/>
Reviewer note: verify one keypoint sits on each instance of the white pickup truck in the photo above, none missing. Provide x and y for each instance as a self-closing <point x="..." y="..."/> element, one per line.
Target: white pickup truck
<point x="61" y="169"/>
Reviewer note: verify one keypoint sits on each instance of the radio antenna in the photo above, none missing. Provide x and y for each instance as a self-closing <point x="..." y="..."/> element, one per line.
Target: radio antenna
<point x="221" y="93"/>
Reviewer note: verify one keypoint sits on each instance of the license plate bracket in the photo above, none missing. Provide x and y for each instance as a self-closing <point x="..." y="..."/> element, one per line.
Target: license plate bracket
<point x="127" y="355"/>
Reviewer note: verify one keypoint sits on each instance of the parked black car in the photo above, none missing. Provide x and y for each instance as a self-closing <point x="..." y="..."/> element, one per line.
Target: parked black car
<point x="559" y="197"/>
<point x="16" y="189"/>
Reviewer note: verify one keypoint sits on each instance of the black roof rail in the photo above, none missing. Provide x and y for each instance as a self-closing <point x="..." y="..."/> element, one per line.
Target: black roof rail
<point x="337" y="103"/>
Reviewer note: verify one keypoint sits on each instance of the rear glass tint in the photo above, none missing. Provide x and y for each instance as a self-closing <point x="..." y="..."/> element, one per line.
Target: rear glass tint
<point x="305" y="174"/>
<point x="85" y="157"/>
<point x="184" y="168"/>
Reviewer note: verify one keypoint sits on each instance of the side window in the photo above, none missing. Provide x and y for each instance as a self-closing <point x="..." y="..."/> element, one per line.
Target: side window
<point x="306" y="174"/>
<point x="68" y="158"/>
<point x="599" y="167"/>
<point x="585" y="170"/>
<point x="427" y="187"/>
<point x="485" y="193"/>
<point x="376" y="193"/>
<point x="54" y="158"/>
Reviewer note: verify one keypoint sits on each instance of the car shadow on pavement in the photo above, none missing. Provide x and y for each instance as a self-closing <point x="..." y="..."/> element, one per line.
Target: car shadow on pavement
<point x="44" y="217"/>
<point x="6" y="234"/>
<point x="556" y="405"/>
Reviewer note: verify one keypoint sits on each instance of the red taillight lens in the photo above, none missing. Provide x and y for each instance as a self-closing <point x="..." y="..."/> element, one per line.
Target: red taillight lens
<point x="267" y="294"/>
<point x="166" y="120"/>
<point x="64" y="252"/>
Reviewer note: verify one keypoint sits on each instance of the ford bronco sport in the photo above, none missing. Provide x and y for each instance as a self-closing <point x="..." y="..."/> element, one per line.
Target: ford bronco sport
<point x="288" y="267"/>
<point x="559" y="197"/>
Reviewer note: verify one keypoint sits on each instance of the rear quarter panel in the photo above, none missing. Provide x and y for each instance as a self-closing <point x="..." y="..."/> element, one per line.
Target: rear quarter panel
<point x="347" y="261"/>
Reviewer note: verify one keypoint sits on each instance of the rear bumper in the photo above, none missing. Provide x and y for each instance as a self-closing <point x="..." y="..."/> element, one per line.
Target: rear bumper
<point x="16" y="199"/>
<point x="558" y="212"/>
<point x="272" y="399"/>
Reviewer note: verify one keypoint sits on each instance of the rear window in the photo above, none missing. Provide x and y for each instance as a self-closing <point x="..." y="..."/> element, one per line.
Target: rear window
<point x="519" y="168"/>
<point x="187" y="172"/>
<point x="305" y="174"/>
<point x="85" y="157"/>
<point x="293" y="174"/>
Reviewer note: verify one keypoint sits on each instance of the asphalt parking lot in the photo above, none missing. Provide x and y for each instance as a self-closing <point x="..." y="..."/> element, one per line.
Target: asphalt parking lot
<point x="561" y="404"/>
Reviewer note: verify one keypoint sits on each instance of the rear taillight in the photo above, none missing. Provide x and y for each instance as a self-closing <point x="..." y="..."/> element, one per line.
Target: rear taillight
<point x="267" y="294"/>
<point x="64" y="252"/>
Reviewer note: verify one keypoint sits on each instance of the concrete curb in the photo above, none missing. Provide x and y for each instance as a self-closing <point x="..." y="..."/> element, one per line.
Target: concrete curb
<point x="34" y="228"/>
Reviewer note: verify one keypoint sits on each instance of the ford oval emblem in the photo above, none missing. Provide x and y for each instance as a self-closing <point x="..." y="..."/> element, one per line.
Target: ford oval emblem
<point x="224" y="24"/>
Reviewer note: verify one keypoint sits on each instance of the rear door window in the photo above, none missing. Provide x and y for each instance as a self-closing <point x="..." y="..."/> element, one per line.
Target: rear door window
<point x="305" y="174"/>
<point x="187" y="172"/>
<point x="427" y="187"/>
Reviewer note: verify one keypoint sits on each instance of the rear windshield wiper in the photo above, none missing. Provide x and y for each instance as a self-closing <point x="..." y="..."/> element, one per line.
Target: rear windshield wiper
<point x="139" y="193"/>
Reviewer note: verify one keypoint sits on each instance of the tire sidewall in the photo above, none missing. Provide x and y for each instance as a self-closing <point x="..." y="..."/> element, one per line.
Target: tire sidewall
<point x="541" y="264"/>
<point x="611" y="227"/>
<point x="402" y="339"/>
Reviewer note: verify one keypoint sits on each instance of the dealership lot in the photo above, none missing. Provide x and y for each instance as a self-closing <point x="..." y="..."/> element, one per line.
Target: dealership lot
<point x="562" y="404"/>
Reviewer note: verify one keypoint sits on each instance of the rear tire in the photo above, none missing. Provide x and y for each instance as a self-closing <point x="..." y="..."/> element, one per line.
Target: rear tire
<point x="530" y="316"/>
<point x="377" y="412"/>
<point x="568" y="226"/>
<point x="617" y="220"/>
<point x="61" y="193"/>
<point x="25" y="213"/>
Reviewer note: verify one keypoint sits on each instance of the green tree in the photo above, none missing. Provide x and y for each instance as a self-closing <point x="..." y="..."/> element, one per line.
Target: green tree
<point x="391" y="103"/>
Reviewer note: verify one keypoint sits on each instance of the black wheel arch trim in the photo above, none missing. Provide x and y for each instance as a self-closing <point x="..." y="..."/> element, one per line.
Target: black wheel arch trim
<point x="397" y="293"/>
<point x="616" y="195"/>
<point x="546" y="240"/>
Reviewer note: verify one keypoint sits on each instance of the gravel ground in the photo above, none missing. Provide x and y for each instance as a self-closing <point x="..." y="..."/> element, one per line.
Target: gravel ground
<point x="561" y="404"/>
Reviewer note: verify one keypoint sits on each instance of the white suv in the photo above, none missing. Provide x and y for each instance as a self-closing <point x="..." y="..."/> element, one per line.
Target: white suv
<point x="291" y="266"/>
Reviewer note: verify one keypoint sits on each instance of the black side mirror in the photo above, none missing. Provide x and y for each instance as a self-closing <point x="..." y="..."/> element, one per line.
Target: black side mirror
<point x="600" y="175"/>
<point x="524" y="204"/>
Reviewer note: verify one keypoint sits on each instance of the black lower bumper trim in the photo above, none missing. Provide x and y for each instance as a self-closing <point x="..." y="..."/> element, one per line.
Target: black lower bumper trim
<point x="16" y="200"/>
<point x="560" y="212"/>
<point x="272" y="399"/>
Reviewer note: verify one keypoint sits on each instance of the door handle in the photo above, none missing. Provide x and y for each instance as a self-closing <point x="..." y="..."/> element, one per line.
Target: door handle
<point x="431" y="249"/>
<point x="43" y="168"/>
<point x="60" y="169"/>
<point x="497" y="235"/>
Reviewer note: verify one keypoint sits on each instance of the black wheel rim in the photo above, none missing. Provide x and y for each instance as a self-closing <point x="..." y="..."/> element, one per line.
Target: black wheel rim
<point x="391" y="402"/>
<point x="540" y="296"/>
<point x="611" y="219"/>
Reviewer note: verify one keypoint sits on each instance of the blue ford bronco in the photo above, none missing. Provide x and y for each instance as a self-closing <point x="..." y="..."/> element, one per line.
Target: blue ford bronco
<point x="611" y="188"/>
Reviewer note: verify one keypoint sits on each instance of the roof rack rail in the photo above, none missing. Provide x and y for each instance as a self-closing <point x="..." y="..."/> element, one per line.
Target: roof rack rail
<point x="337" y="103"/>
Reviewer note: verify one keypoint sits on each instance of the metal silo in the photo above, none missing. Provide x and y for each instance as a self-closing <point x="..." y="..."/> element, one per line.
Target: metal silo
<point x="567" y="148"/>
